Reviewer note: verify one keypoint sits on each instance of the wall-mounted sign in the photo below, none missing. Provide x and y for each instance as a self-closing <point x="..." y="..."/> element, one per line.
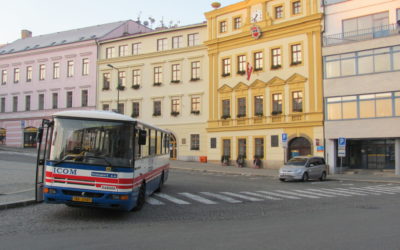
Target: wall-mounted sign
<point x="255" y="32"/>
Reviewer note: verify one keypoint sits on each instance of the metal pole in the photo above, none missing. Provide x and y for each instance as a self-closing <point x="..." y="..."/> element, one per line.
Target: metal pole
<point x="118" y="91"/>
<point x="341" y="165"/>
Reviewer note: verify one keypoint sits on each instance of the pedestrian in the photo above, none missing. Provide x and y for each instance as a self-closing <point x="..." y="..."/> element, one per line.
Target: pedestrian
<point x="240" y="161"/>
<point x="257" y="162"/>
<point x="398" y="25"/>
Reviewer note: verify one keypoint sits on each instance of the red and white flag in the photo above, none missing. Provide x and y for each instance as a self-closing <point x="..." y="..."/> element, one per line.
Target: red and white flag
<point x="249" y="70"/>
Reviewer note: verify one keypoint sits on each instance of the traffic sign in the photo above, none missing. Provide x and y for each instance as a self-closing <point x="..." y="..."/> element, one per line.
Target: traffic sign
<point x="284" y="140"/>
<point x="342" y="147"/>
<point x="342" y="142"/>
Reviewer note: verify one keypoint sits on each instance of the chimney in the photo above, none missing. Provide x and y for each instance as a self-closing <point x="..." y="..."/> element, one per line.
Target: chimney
<point x="26" y="34"/>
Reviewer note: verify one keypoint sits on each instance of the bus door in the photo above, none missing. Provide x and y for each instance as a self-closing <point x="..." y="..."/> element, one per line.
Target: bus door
<point x="43" y="148"/>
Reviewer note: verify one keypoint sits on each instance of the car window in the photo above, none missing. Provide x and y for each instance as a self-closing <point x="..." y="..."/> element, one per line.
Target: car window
<point x="314" y="161"/>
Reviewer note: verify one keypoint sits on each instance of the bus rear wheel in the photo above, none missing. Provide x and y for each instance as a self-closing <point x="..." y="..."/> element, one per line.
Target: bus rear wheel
<point x="141" y="198"/>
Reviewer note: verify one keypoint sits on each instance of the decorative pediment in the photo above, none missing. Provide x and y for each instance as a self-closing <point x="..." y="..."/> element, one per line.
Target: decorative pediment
<point x="257" y="84"/>
<point x="241" y="86"/>
<point x="276" y="81"/>
<point x="225" y="89"/>
<point x="296" y="78"/>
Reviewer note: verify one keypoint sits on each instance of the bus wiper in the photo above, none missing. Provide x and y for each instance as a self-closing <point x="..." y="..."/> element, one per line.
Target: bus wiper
<point x="65" y="159"/>
<point x="98" y="157"/>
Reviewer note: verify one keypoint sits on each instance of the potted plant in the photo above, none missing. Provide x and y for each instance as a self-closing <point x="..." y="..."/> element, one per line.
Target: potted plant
<point x="276" y="112"/>
<point x="195" y="112"/>
<point x="136" y="86"/>
<point x="225" y="116"/>
<point x="174" y="113"/>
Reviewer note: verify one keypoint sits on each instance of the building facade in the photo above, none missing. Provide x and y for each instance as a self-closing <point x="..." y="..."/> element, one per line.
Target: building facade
<point x="265" y="81"/>
<point x="160" y="78"/>
<point x="48" y="73"/>
<point x="361" y="56"/>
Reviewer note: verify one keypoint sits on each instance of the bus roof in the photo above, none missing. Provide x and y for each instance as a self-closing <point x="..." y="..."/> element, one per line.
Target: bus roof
<point x="102" y="115"/>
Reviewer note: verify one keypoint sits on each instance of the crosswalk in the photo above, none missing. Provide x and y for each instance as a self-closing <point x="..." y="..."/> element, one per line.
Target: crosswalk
<point x="212" y="198"/>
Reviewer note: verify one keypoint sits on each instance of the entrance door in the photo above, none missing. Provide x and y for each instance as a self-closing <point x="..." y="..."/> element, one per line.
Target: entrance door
<point x="299" y="146"/>
<point x="172" y="147"/>
<point x="30" y="137"/>
<point x="2" y="136"/>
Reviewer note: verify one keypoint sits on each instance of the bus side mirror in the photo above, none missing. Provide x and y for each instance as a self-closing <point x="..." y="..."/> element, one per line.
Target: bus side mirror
<point x="142" y="137"/>
<point x="39" y="135"/>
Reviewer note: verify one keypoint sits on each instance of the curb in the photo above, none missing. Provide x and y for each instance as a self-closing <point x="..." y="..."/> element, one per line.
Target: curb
<point x="21" y="203"/>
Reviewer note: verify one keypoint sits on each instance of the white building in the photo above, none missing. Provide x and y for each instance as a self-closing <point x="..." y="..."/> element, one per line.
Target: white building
<point x="361" y="57"/>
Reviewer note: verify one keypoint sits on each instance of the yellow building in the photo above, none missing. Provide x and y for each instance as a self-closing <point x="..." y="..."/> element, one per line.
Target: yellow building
<point x="279" y="43"/>
<point x="163" y="81"/>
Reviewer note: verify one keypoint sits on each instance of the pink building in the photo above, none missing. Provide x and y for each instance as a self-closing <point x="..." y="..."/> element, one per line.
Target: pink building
<point x="45" y="74"/>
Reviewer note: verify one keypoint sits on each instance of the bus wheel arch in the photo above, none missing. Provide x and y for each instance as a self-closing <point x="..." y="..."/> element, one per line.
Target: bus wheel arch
<point x="141" y="198"/>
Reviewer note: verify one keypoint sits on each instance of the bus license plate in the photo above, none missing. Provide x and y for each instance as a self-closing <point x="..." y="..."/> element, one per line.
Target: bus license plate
<point x="81" y="199"/>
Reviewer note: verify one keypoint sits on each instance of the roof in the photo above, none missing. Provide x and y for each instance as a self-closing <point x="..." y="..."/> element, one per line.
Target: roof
<point x="101" y="115"/>
<point x="61" y="38"/>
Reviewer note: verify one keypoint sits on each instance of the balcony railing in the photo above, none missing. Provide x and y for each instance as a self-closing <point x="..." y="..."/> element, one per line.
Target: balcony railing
<point x="361" y="35"/>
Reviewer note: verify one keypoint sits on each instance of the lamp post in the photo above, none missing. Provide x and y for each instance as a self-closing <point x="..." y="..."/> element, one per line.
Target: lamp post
<point x="118" y="86"/>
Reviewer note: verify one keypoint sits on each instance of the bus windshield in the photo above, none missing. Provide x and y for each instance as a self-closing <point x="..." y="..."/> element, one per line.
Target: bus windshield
<point x="107" y="143"/>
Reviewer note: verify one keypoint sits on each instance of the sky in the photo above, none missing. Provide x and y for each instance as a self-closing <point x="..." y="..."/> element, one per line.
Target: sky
<point x="49" y="16"/>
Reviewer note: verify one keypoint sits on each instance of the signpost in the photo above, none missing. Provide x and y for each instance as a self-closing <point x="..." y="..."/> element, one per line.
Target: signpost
<point x="341" y="151"/>
<point x="284" y="145"/>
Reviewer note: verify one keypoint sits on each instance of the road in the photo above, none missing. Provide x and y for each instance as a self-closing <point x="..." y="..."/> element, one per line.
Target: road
<point x="215" y="211"/>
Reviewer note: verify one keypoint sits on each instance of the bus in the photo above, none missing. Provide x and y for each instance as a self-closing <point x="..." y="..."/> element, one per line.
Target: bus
<point x="100" y="159"/>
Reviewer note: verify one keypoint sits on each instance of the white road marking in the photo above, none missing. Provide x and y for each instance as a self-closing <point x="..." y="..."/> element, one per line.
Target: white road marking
<point x="221" y="197"/>
<point x="172" y="199"/>
<point x="244" y="197"/>
<point x="153" y="201"/>
<point x="313" y="193"/>
<point x="261" y="196"/>
<point x="346" y="192"/>
<point x="198" y="198"/>
<point x="373" y="190"/>
<point x="280" y="195"/>
<point x="292" y="192"/>
<point x="328" y="192"/>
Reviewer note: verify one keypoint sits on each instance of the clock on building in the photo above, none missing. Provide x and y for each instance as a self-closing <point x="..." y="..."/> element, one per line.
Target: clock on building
<point x="256" y="16"/>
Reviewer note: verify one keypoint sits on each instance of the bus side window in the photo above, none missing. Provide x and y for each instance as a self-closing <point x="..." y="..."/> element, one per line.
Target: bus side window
<point x="145" y="148"/>
<point x="153" y="142"/>
<point x="160" y="144"/>
<point x="137" y="146"/>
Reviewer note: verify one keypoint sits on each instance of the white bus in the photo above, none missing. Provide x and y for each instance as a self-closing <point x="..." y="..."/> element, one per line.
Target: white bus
<point x="101" y="159"/>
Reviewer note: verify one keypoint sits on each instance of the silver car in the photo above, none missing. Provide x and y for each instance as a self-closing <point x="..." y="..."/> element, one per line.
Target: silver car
<point x="304" y="168"/>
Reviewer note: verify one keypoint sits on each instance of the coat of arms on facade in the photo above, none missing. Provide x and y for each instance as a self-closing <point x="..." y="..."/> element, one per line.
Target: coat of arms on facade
<point x="255" y="32"/>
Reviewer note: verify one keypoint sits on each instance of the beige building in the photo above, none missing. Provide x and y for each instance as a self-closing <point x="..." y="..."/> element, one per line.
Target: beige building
<point x="163" y="77"/>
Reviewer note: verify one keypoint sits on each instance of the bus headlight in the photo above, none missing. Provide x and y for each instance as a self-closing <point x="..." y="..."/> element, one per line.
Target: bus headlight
<point x="49" y="191"/>
<point x="119" y="197"/>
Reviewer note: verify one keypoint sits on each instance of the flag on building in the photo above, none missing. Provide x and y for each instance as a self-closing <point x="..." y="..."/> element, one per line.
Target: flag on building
<point x="249" y="70"/>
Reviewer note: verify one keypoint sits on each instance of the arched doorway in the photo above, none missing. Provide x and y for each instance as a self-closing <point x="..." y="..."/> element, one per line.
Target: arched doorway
<point x="2" y="136"/>
<point x="172" y="147"/>
<point x="299" y="146"/>
<point x="30" y="137"/>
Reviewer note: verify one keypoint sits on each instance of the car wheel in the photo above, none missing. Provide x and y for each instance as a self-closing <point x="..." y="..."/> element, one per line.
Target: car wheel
<point x="305" y="177"/>
<point x="323" y="177"/>
<point x="282" y="179"/>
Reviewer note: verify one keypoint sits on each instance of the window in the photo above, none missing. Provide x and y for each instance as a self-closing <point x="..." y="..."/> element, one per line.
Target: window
<point x="84" y="98"/>
<point x="162" y="44"/>
<point x="135" y="109"/>
<point x="106" y="81"/>
<point x="278" y="12"/>
<point x="276" y="58"/>
<point x="55" y="100"/>
<point x="85" y="66"/>
<point x="136" y="79"/>
<point x="16" y="75"/>
<point x="259" y="105"/>
<point x="226" y="67"/>
<point x="195" y="71"/>
<point x="176" y="73"/>
<point x="193" y="39"/>
<point x="3" y="105"/>
<point x="195" y="105"/>
<point x="242" y="147"/>
<point x="157" y="76"/>
<point x="156" y="108"/>
<point x="177" y="42"/>
<point x="241" y="107"/>
<point x="27" y="103"/>
<point x="123" y="50"/>
<point x="136" y="47"/>
<point x="56" y="70"/>
<point x="296" y="7"/>
<point x="258" y="61"/>
<point x="15" y="103"/>
<point x="276" y="104"/>
<point x="4" y="77"/>
<point x="70" y="68"/>
<point x="69" y="99"/>
<point x="29" y="73"/>
<point x="106" y="107"/>
<point x="110" y="52"/>
<point x="121" y="108"/>
<point x="222" y="27"/>
<point x="226" y="147"/>
<point x="121" y="80"/>
<point x="297" y="101"/>
<point x="213" y="142"/>
<point x="41" y="102"/>
<point x="175" y="106"/>
<point x="274" y="141"/>
<point x="296" y="54"/>
<point x="241" y="60"/>
<point x="226" y="109"/>
<point x="259" y="148"/>
<point x="42" y="72"/>
<point x="237" y="23"/>
<point x="195" y="142"/>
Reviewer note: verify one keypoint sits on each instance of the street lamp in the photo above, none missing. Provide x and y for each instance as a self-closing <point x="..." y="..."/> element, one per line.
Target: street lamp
<point x="118" y="86"/>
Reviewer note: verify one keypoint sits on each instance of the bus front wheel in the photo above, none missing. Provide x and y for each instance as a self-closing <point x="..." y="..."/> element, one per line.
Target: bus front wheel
<point x="141" y="198"/>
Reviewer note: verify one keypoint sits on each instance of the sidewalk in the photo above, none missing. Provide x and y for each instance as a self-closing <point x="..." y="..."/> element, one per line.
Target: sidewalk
<point x="22" y="192"/>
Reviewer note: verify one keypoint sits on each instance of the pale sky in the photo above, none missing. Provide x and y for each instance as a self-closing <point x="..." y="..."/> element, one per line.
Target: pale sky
<point x="49" y="16"/>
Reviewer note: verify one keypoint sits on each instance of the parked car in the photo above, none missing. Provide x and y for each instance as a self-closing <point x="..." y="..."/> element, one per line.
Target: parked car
<point x="304" y="168"/>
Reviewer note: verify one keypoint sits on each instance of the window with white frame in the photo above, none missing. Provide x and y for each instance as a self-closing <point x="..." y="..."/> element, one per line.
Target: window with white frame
<point x="121" y="80"/>
<point x="123" y="50"/>
<point x="15" y="103"/>
<point x="162" y="44"/>
<point x="156" y="108"/>
<point x="42" y="72"/>
<point x="136" y="78"/>
<point x="85" y="66"/>
<point x="70" y="68"/>
<point x="27" y="103"/>
<point x="84" y="98"/>
<point x="278" y="12"/>
<point x="241" y="64"/>
<point x="259" y="105"/>
<point x="69" y="99"/>
<point x="176" y="73"/>
<point x="276" y="58"/>
<point x="223" y="27"/>
<point x="41" y="102"/>
<point x="135" y="109"/>
<point x="195" y="71"/>
<point x="297" y="101"/>
<point x="3" y="77"/>
<point x="54" y="100"/>
<point x="193" y="39"/>
<point x="296" y="7"/>
<point x="226" y="67"/>
<point x="56" y="70"/>
<point x="258" y="61"/>
<point x="106" y="81"/>
<point x="241" y="104"/>
<point x="157" y="76"/>
<point x="195" y="142"/>
<point x="177" y="42"/>
<point x="175" y="106"/>
<point x="195" y="105"/>
<point x="136" y="47"/>
<point x="16" y="75"/>
<point x="277" y="104"/>
<point x="29" y="73"/>
<point x="237" y="23"/>
<point x="110" y="52"/>
<point x="296" y="54"/>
